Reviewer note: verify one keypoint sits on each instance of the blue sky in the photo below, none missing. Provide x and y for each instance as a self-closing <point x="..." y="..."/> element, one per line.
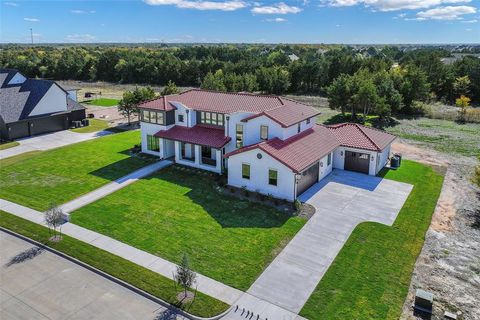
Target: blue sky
<point x="288" y="21"/>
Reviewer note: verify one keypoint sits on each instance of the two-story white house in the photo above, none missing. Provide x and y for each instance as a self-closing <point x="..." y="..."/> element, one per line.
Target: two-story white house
<point x="267" y="144"/>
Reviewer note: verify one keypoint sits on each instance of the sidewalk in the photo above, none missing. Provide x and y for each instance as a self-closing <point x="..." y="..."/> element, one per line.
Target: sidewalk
<point x="149" y="261"/>
<point x="113" y="186"/>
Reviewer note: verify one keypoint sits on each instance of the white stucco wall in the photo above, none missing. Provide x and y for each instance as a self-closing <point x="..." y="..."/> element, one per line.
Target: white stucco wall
<point x="188" y="121"/>
<point x="382" y="159"/>
<point x="231" y="127"/>
<point x="324" y="169"/>
<point x="150" y="129"/>
<point x="293" y="130"/>
<point x="252" y="135"/>
<point x="17" y="78"/>
<point x="55" y="100"/>
<point x="339" y="159"/>
<point x="259" y="174"/>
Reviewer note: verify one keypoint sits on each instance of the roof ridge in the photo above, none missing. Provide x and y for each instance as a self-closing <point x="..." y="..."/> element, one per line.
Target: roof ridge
<point x="299" y="102"/>
<point x="366" y="135"/>
<point x="250" y="94"/>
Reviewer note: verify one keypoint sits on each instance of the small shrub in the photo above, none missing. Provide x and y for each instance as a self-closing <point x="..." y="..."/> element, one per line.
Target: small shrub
<point x="298" y="205"/>
<point x="232" y="190"/>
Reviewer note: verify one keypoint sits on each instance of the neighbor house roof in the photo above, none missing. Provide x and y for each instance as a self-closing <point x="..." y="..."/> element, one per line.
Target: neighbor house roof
<point x="357" y="136"/>
<point x="282" y="110"/>
<point x="299" y="151"/>
<point x="200" y="134"/>
<point x="19" y="100"/>
<point x="307" y="147"/>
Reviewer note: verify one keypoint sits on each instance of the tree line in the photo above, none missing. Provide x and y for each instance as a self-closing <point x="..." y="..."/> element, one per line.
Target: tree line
<point x="379" y="81"/>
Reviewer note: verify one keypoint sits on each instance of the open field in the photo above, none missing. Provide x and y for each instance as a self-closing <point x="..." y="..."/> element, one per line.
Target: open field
<point x="59" y="175"/>
<point x="369" y="278"/>
<point x="102" y="102"/>
<point x="125" y="270"/>
<point x="180" y="210"/>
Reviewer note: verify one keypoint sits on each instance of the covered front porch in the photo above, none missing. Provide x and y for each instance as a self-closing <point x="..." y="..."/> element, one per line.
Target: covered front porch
<point x="199" y="146"/>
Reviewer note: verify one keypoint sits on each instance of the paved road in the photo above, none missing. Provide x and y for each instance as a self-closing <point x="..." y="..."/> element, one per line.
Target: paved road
<point x="49" y="141"/>
<point x="342" y="201"/>
<point x="41" y="285"/>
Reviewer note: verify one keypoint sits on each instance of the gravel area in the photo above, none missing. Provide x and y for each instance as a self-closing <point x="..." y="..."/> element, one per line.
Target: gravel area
<point x="449" y="264"/>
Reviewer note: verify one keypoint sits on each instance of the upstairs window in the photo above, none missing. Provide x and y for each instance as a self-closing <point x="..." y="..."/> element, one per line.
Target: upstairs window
<point x="245" y="171"/>
<point x="272" y="177"/>
<point x="299" y="127"/>
<point x="329" y="159"/>
<point x="263" y="132"/>
<point x="308" y="121"/>
<point x="152" y="117"/>
<point x="216" y="119"/>
<point x="180" y="118"/>
<point x="239" y="135"/>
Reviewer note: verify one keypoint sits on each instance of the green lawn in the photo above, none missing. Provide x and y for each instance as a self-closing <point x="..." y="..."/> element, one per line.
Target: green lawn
<point x="369" y="278"/>
<point x="7" y="145"/>
<point x="95" y="125"/>
<point x="179" y="210"/>
<point x="102" y="102"/>
<point x="60" y="175"/>
<point x="125" y="270"/>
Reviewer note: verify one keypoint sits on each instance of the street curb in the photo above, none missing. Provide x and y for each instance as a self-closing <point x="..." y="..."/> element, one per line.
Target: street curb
<point x="114" y="279"/>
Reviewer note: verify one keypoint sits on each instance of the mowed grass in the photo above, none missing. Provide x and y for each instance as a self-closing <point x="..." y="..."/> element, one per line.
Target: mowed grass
<point x="8" y="145"/>
<point x="60" y="175"/>
<point x="94" y="126"/>
<point x="369" y="278"/>
<point x="179" y="210"/>
<point x="120" y="268"/>
<point x="102" y="102"/>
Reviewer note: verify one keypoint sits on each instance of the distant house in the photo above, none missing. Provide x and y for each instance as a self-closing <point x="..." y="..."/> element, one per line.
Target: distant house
<point x="269" y="144"/>
<point x="33" y="106"/>
<point x="293" y="57"/>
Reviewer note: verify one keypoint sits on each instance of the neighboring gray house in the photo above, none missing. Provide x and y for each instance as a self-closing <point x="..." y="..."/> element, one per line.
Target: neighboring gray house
<point x="34" y="106"/>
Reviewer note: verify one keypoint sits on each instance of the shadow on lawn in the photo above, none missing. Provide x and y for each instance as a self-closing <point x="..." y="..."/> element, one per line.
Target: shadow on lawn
<point x="228" y="211"/>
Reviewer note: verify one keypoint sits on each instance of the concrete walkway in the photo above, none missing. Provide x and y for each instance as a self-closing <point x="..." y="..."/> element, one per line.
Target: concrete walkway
<point x="342" y="201"/>
<point x="38" y="284"/>
<point x="114" y="186"/>
<point x="154" y="263"/>
<point x="50" y="141"/>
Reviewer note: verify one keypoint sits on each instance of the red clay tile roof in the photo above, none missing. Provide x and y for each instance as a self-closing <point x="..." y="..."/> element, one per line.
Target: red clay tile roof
<point x="200" y="134"/>
<point x="282" y="110"/>
<point x="357" y="136"/>
<point x="299" y="151"/>
<point x="307" y="147"/>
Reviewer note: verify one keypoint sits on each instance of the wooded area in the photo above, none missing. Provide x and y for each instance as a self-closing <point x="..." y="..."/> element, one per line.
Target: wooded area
<point x="372" y="81"/>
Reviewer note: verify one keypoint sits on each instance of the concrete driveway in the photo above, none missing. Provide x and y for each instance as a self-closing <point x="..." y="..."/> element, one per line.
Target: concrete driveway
<point x="342" y="201"/>
<point x="50" y="141"/>
<point x="36" y="284"/>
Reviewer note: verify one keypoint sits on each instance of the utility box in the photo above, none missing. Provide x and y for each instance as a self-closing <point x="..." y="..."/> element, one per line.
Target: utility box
<point x="423" y="301"/>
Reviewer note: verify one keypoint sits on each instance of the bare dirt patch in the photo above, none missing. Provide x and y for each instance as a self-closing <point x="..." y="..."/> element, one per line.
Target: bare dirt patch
<point x="449" y="264"/>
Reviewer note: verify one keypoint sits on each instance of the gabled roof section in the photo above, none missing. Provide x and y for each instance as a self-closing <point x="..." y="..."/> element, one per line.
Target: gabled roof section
<point x="282" y="110"/>
<point x="203" y="135"/>
<point x="298" y="152"/>
<point x="355" y="135"/>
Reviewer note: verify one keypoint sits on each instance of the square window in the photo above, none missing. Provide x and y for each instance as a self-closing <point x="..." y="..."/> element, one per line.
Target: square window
<point x="245" y="171"/>
<point x="308" y="121"/>
<point x="272" y="177"/>
<point x="180" y="118"/>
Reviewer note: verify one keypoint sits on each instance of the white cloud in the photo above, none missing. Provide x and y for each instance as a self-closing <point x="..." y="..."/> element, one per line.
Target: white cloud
<point x="80" y="37"/>
<point x="470" y="21"/>
<point x="82" y="11"/>
<point x="392" y="5"/>
<point x="279" y="8"/>
<point x="11" y="4"/>
<point x="276" y="20"/>
<point x="230" y="5"/>
<point x="446" y="13"/>
<point x="31" y="19"/>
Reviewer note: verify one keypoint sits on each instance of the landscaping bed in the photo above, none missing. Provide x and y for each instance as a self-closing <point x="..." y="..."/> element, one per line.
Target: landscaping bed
<point x="59" y="175"/>
<point x="370" y="276"/>
<point x="180" y="210"/>
<point x="144" y="279"/>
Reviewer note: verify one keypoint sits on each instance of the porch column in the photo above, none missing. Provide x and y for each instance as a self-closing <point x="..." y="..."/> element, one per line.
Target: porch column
<point x="178" y="151"/>
<point x="161" y="145"/>
<point x="198" y="154"/>
<point x="218" y="158"/>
